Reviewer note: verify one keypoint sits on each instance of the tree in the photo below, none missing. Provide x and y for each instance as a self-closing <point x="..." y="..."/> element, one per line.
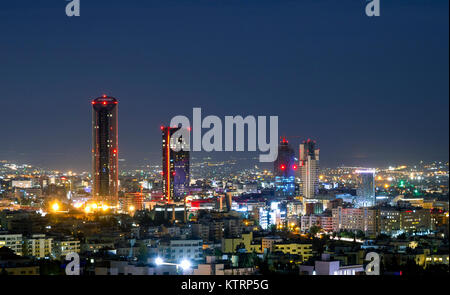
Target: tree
<point x="360" y="234"/>
<point x="143" y="253"/>
<point x="314" y="230"/>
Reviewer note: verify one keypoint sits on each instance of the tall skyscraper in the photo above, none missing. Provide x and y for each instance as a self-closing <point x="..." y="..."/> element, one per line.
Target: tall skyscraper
<point x="309" y="168"/>
<point x="284" y="170"/>
<point x="366" y="188"/>
<point x="105" y="150"/>
<point x="175" y="166"/>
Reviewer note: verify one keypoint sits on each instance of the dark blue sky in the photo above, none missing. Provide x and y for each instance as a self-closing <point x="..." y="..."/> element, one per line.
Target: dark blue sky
<point x="371" y="91"/>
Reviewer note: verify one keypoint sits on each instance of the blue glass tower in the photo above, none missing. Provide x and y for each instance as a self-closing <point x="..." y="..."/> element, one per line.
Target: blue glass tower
<point x="284" y="170"/>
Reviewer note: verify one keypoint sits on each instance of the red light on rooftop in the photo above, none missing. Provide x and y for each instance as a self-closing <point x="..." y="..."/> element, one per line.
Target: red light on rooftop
<point x="114" y="151"/>
<point x="104" y="102"/>
<point x="282" y="167"/>
<point x="93" y="102"/>
<point x="173" y="173"/>
<point x="104" y="95"/>
<point x="162" y="127"/>
<point x="295" y="167"/>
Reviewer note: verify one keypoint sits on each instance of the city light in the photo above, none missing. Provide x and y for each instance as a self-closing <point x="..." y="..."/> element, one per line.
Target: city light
<point x="159" y="261"/>
<point x="185" y="264"/>
<point x="78" y="205"/>
<point x="55" y="207"/>
<point x="369" y="197"/>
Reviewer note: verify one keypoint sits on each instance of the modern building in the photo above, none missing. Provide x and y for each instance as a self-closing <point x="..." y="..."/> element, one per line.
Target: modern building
<point x="309" y="168"/>
<point x="284" y="170"/>
<point x="356" y="219"/>
<point x="322" y="221"/>
<point x="131" y="202"/>
<point x="12" y="241"/>
<point x="245" y="241"/>
<point x="62" y="247"/>
<point x="326" y="267"/>
<point x="366" y="187"/>
<point x="175" y="251"/>
<point x="213" y="266"/>
<point x="38" y="245"/>
<point x="175" y="161"/>
<point x="303" y="250"/>
<point x="105" y="150"/>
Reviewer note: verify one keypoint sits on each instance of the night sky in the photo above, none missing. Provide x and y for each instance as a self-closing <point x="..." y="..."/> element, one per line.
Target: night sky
<point x="371" y="91"/>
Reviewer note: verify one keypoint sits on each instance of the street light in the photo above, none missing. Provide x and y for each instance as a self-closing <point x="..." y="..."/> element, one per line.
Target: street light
<point x="159" y="261"/>
<point x="185" y="264"/>
<point x="55" y="207"/>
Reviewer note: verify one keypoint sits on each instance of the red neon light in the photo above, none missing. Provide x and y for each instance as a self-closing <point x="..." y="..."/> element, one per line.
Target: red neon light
<point x="93" y="102"/>
<point x="168" y="164"/>
<point x="162" y="127"/>
<point x="114" y="151"/>
<point x="282" y="167"/>
<point x="104" y="102"/>
<point x="104" y="95"/>
<point x="295" y="167"/>
<point x="173" y="173"/>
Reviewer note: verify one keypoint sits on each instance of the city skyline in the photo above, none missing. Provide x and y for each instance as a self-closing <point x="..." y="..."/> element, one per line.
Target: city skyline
<point x="366" y="103"/>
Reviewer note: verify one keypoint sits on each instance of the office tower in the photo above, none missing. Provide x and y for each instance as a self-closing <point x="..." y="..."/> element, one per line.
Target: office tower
<point x="284" y="170"/>
<point x="175" y="165"/>
<point x="309" y="169"/>
<point x="366" y="187"/>
<point x="105" y="150"/>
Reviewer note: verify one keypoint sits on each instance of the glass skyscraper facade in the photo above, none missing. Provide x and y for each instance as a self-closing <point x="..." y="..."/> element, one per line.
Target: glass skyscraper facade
<point x="366" y="188"/>
<point x="175" y="165"/>
<point x="284" y="170"/>
<point x="105" y="150"/>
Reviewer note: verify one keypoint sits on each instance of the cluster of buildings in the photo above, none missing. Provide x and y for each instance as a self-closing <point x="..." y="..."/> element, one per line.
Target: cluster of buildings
<point x="206" y="217"/>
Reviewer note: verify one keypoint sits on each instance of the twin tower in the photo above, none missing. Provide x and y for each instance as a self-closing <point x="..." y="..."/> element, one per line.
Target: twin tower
<point x="105" y="159"/>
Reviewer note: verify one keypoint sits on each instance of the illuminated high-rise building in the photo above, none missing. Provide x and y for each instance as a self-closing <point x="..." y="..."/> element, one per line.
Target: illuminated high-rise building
<point x="175" y="165"/>
<point x="284" y="170"/>
<point x="105" y="150"/>
<point x="366" y="187"/>
<point x="309" y="169"/>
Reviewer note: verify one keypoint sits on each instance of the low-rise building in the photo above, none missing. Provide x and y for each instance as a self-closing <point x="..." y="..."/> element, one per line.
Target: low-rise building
<point x="12" y="241"/>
